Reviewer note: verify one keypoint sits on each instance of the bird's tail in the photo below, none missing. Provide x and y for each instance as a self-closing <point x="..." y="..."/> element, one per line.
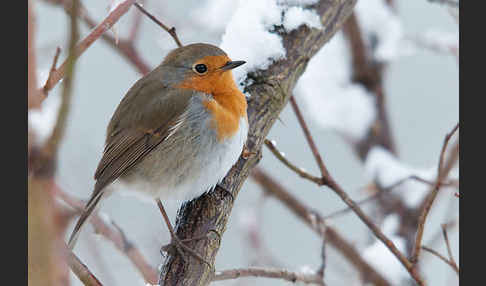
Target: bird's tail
<point x="88" y="210"/>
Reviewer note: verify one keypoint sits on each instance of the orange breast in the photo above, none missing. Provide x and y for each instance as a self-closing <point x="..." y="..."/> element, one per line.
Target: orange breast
<point x="226" y="114"/>
<point x="228" y="104"/>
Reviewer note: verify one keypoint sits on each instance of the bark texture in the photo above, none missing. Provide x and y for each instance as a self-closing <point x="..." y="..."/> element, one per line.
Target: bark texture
<point x="270" y="91"/>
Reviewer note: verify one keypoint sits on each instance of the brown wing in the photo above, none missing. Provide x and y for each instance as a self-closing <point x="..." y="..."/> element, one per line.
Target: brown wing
<point x="132" y="134"/>
<point x="129" y="147"/>
<point x="147" y="114"/>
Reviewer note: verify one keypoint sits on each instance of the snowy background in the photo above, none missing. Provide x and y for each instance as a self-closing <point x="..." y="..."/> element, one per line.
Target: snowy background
<point x="421" y="89"/>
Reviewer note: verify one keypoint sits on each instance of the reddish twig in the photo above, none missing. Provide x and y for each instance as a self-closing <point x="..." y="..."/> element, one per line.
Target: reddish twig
<point x="115" y="234"/>
<point x="53" y="68"/>
<point x="137" y="20"/>
<point x="286" y="275"/>
<point x="81" y="270"/>
<point x="442" y="172"/>
<point x="32" y="94"/>
<point x="82" y="46"/>
<point x="171" y="31"/>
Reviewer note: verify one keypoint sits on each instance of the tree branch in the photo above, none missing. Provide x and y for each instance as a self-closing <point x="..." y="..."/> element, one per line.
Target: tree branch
<point x="442" y="173"/>
<point x="81" y="270"/>
<point x="82" y="46"/>
<point x="283" y="274"/>
<point x="310" y="140"/>
<point x="289" y="164"/>
<point x="171" y="31"/>
<point x="115" y="234"/>
<point x="329" y="181"/>
<point x="368" y="72"/>
<point x="317" y="223"/>
<point x="441" y="257"/>
<point x="269" y="93"/>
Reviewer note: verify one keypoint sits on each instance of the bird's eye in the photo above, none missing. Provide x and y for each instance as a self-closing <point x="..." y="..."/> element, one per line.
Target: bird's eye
<point x="201" y="68"/>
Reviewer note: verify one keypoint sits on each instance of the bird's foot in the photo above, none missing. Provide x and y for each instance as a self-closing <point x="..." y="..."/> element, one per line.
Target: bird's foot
<point x="181" y="248"/>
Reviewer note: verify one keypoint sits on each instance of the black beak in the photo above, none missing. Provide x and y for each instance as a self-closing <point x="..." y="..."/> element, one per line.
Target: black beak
<point x="231" y="65"/>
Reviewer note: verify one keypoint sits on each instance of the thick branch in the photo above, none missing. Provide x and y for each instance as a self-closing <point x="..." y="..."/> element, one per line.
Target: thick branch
<point x="270" y="92"/>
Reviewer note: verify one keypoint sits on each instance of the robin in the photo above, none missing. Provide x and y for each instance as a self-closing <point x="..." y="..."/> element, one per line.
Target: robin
<point x="176" y="133"/>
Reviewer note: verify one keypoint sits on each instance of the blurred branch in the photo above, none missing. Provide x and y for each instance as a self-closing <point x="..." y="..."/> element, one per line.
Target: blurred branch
<point x="82" y="46"/>
<point x="53" y="68"/>
<point x="283" y="274"/>
<point x="317" y="223"/>
<point x="270" y="92"/>
<point x="81" y="270"/>
<point x="32" y="94"/>
<point x="171" y="31"/>
<point x="442" y="172"/>
<point x="368" y="72"/>
<point x="46" y="222"/>
<point x="44" y="161"/>
<point x="46" y="227"/>
<point x="451" y="3"/>
<point x="137" y="20"/>
<point x="115" y="234"/>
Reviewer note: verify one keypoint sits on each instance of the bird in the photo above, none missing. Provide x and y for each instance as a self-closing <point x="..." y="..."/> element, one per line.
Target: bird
<point x="176" y="133"/>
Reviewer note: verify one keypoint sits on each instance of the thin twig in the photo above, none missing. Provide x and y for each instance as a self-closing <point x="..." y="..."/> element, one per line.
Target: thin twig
<point x="389" y="189"/>
<point x="115" y="234"/>
<point x="316" y="222"/>
<point x="82" y="46"/>
<point x="49" y="150"/>
<point x="171" y="31"/>
<point x="441" y="257"/>
<point x="53" y="68"/>
<point x="329" y="181"/>
<point x="442" y="172"/>
<point x="81" y="270"/>
<point x="291" y="166"/>
<point x="308" y="136"/>
<point x="449" y="251"/>
<point x="124" y="46"/>
<point x="137" y="20"/>
<point x="269" y="273"/>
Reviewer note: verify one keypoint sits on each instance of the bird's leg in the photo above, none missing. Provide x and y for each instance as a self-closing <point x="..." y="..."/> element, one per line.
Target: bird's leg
<point x="175" y="241"/>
